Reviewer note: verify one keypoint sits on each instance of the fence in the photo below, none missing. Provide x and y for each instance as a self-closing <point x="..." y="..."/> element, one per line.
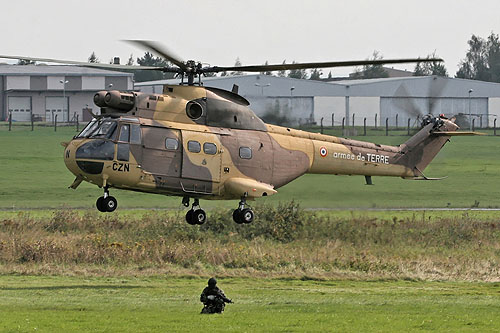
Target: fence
<point x="411" y="125"/>
<point x="40" y="122"/>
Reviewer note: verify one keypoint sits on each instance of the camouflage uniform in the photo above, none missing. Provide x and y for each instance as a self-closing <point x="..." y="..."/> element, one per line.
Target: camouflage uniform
<point x="214" y="304"/>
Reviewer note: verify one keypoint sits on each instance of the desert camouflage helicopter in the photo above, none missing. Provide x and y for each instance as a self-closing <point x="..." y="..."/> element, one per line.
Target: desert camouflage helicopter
<point x="199" y="142"/>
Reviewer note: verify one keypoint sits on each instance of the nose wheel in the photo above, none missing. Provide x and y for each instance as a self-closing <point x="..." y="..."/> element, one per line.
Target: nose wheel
<point x="195" y="215"/>
<point x="243" y="214"/>
<point x="106" y="203"/>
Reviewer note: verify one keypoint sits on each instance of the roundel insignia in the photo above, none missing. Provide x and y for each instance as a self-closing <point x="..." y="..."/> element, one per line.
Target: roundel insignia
<point x="323" y="152"/>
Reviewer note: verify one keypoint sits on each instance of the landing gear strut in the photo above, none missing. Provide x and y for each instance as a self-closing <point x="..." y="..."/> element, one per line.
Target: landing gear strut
<point x="195" y="215"/>
<point x="106" y="203"/>
<point x="242" y="214"/>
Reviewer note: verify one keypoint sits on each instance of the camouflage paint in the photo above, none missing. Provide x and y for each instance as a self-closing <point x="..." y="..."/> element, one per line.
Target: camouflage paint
<point x="279" y="154"/>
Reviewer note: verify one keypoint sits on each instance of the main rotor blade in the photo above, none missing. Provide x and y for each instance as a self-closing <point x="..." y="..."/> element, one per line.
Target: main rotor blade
<point x="280" y="67"/>
<point x="161" y="51"/>
<point x="93" y="64"/>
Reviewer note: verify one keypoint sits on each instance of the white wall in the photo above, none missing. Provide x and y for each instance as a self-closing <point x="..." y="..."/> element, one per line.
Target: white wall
<point x="18" y="82"/>
<point x="324" y="106"/>
<point x="364" y="107"/>
<point x="493" y="110"/>
<point x="93" y="83"/>
<point x="53" y="82"/>
<point x="361" y="107"/>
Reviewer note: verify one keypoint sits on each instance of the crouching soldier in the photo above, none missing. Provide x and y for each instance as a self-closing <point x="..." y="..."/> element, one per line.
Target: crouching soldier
<point x="213" y="298"/>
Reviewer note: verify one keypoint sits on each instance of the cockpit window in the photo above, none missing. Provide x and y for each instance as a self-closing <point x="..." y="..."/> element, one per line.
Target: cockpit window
<point x="91" y="126"/>
<point x="105" y="130"/>
<point x="125" y="133"/>
<point x="135" y="134"/>
<point x="99" y="129"/>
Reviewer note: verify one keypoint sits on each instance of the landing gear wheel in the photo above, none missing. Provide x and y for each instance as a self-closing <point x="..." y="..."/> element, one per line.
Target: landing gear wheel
<point x="195" y="215"/>
<point x="189" y="217"/>
<point x="243" y="216"/>
<point x="100" y="206"/>
<point x="109" y="204"/>
<point x="199" y="216"/>
<point x="237" y="216"/>
<point x="246" y="215"/>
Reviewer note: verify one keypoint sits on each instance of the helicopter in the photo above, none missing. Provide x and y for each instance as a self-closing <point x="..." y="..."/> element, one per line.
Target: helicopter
<point x="200" y="142"/>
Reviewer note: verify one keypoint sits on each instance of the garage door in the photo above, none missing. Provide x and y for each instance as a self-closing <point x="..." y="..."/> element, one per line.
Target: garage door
<point x="20" y="108"/>
<point x="55" y="106"/>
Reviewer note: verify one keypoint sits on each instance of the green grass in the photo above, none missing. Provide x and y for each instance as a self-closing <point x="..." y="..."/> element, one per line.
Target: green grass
<point x="162" y="304"/>
<point x="34" y="176"/>
<point x="123" y="295"/>
<point x="284" y="241"/>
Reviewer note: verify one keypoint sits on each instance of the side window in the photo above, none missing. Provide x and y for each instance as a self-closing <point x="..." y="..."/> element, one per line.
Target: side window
<point x="209" y="148"/>
<point x="194" y="146"/>
<point x="171" y="144"/>
<point x="125" y="133"/>
<point x="135" y="134"/>
<point x="246" y="153"/>
<point x="122" y="152"/>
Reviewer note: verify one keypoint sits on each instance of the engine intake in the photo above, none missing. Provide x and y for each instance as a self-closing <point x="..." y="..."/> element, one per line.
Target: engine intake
<point x="115" y="99"/>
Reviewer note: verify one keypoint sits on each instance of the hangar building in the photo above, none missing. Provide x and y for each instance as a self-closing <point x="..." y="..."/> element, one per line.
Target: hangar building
<point x="394" y="99"/>
<point x="45" y="91"/>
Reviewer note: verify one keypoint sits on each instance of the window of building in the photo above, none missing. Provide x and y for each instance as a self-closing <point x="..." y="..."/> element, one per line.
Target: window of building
<point x="171" y="144"/>
<point x="245" y="153"/>
<point x="194" y="146"/>
<point x="209" y="148"/>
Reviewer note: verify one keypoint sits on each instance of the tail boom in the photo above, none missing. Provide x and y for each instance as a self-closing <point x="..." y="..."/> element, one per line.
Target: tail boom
<point x="351" y="157"/>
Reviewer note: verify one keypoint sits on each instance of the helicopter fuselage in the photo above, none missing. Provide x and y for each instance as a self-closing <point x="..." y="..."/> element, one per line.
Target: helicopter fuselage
<point x="206" y="143"/>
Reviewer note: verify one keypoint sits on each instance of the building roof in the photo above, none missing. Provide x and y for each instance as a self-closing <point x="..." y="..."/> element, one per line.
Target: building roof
<point x="56" y="70"/>
<point x="414" y="86"/>
<point x="391" y="72"/>
<point x="421" y="86"/>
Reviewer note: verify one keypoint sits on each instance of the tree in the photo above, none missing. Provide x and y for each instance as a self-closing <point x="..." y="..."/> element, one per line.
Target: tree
<point x="266" y="72"/>
<point x="130" y="61"/>
<point x="297" y="73"/>
<point x="93" y="58"/>
<point x="282" y="73"/>
<point x="25" y="62"/>
<point x="430" y="68"/>
<point x="237" y="63"/>
<point x="482" y="60"/>
<point x="494" y="57"/>
<point x="371" y="71"/>
<point x="150" y="75"/>
<point x="316" y="74"/>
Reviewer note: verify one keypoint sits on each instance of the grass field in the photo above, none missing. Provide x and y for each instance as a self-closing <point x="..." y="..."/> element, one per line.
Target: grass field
<point x="34" y="176"/>
<point x="158" y="304"/>
<point x="344" y="270"/>
<point x="284" y="241"/>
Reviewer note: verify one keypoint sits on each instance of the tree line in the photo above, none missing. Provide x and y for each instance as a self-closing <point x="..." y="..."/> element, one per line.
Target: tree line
<point x="481" y="62"/>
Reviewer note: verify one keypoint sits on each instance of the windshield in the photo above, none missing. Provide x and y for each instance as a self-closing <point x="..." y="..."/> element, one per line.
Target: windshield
<point x="99" y="129"/>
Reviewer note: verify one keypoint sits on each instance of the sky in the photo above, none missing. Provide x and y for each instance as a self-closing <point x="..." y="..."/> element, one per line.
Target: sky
<point x="218" y="32"/>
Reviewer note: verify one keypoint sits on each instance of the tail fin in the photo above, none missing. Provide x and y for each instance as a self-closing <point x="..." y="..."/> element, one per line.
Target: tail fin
<point x="421" y="148"/>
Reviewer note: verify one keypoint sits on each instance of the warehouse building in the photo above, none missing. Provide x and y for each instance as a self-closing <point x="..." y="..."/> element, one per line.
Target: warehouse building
<point x="44" y="91"/>
<point x="394" y="100"/>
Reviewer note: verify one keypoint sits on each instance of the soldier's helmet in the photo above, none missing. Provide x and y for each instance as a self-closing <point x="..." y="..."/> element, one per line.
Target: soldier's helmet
<point x="212" y="282"/>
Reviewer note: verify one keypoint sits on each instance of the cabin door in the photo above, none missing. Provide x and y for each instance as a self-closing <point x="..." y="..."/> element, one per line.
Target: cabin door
<point x="201" y="158"/>
<point x="162" y="153"/>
